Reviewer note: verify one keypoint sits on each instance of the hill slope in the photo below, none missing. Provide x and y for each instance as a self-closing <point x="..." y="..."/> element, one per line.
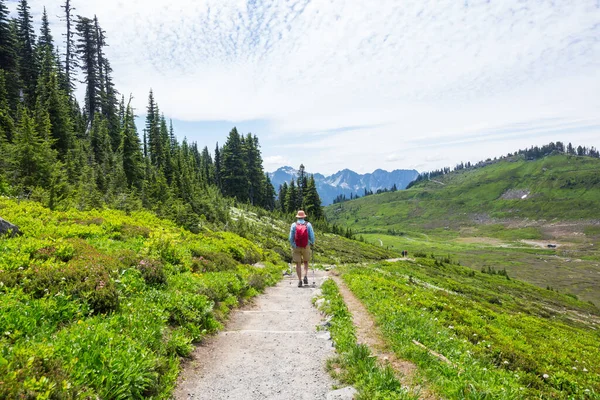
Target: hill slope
<point x="102" y="304"/>
<point x="556" y="187"/>
<point x="499" y="216"/>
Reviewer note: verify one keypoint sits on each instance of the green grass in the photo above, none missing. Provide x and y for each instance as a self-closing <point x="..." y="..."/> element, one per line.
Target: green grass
<point x="507" y="339"/>
<point x="568" y="270"/>
<point x="355" y="365"/>
<point x="104" y="304"/>
<point x="560" y="188"/>
<point x="468" y="218"/>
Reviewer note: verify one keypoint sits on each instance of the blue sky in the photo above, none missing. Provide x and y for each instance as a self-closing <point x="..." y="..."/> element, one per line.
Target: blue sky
<point x="362" y="85"/>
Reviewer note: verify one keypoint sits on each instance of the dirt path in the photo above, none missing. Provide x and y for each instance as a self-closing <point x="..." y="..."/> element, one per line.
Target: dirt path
<point x="269" y="350"/>
<point x="368" y="333"/>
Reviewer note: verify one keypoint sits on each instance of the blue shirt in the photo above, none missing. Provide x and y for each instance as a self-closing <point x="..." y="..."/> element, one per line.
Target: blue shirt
<point x="311" y="233"/>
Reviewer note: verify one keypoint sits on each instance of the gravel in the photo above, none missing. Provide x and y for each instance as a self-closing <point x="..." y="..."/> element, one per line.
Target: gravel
<point x="270" y="350"/>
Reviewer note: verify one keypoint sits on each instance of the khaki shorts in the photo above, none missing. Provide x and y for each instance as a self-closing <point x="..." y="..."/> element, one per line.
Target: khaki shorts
<point x="300" y="254"/>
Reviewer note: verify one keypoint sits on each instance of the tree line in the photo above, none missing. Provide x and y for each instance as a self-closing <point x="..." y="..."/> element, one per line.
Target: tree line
<point x="340" y="198"/>
<point x="300" y="193"/>
<point x="532" y="153"/>
<point x="65" y="155"/>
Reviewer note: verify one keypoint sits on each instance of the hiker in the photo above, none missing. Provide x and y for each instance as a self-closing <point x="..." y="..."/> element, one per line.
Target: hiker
<point x="301" y="238"/>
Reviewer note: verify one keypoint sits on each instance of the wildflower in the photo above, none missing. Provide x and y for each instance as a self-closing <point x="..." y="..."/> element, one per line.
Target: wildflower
<point x="574" y="368"/>
<point x="545" y="376"/>
<point x="451" y="327"/>
<point x="505" y="362"/>
<point x="585" y="369"/>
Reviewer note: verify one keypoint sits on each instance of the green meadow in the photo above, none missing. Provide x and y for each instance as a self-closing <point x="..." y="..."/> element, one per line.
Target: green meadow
<point x="503" y="338"/>
<point x="105" y="304"/>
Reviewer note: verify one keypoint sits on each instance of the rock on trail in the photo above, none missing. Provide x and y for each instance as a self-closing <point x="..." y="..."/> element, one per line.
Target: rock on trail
<point x="269" y="350"/>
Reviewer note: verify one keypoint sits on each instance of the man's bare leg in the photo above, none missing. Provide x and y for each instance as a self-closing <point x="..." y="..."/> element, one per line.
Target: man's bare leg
<point x="306" y="269"/>
<point x="299" y="270"/>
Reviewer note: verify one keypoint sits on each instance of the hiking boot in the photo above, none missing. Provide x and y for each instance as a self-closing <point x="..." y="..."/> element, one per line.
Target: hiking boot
<point x="306" y="280"/>
<point x="299" y="283"/>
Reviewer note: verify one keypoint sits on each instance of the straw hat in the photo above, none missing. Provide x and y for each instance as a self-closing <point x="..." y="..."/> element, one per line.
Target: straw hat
<point x="301" y="214"/>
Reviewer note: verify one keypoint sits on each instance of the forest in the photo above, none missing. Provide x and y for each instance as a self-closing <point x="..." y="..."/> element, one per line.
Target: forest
<point x="91" y="155"/>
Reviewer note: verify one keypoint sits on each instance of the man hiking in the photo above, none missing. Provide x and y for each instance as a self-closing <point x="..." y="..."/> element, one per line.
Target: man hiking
<point x="301" y="238"/>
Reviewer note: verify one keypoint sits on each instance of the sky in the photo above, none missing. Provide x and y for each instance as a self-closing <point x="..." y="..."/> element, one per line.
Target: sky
<point x="332" y="84"/>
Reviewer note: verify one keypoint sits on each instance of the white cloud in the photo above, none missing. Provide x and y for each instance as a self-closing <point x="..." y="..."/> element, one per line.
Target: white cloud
<point x="271" y="163"/>
<point x="408" y="75"/>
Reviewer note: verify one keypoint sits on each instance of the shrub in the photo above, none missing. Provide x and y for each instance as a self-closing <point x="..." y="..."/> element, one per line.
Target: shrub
<point x="153" y="271"/>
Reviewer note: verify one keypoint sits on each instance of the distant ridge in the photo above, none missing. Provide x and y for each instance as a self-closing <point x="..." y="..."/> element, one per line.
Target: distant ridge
<point x="347" y="182"/>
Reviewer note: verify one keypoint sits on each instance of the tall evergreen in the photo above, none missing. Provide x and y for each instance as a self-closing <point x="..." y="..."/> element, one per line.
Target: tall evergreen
<point x="234" y="179"/>
<point x="218" y="167"/>
<point x="291" y="200"/>
<point x="254" y="171"/>
<point x="312" y="201"/>
<point x="282" y="197"/>
<point x="31" y="156"/>
<point x="7" y="46"/>
<point x="27" y="61"/>
<point x="70" y="52"/>
<point x="301" y="184"/>
<point x="87" y="51"/>
<point x="131" y="150"/>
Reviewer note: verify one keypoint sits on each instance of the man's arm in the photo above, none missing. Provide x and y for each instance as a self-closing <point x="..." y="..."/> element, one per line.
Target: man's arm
<point x="311" y="234"/>
<point x="292" y="236"/>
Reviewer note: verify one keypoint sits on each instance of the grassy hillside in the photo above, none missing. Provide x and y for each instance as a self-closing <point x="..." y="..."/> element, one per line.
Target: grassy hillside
<point x="500" y="216"/>
<point x="504" y="339"/>
<point x="558" y="187"/>
<point x="103" y="304"/>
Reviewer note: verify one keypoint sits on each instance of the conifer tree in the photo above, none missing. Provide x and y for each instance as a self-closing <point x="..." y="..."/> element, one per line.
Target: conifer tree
<point x="31" y="156"/>
<point x="56" y="103"/>
<point x="301" y="184"/>
<point x="291" y="200"/>
<point x="87" y="51"/>
<point x="282" y="197"/>
<point x="131" y="149"/>
<point x="218" y="167"/>
<point x="234" y="179"/>
<point x="6" y="121"/>
<point x="27" y="61"/>
<point x="207" y="167"/>
<point x="45" y="35"/>
<point x="70" y="52"/>
<point x="7" y="46"/>
<point x="312" y="201"/>
<point x="269" y="197"/>
<point x="254" y="170"/>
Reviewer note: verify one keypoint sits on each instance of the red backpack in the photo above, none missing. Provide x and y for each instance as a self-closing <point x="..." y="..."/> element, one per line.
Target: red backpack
<point x="301" y="237"/>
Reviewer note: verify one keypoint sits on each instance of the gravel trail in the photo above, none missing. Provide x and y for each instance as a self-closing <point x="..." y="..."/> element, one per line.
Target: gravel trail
<point x="268" y="350"/>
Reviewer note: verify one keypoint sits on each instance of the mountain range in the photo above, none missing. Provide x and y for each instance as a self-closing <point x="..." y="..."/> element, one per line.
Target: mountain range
<point x="347" y="182"/>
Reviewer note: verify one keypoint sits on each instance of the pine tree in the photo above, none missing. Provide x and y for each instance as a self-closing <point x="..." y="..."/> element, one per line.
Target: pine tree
<point x="218" y="168"/>
<point x="131" y="150"/>
<point x="301" y="183"/>
<point x="6" y="121"/>
<point x="291" y="200"/>
<point x="70" y="52"/>
<point x="282" y="197"/>
<point x="7" y="45"/>
<point x="234" y="179"/>
<point x="87" y="51"/>
<point x="254" y="170"/>
<point x="269" y="197"/>
<point x="207" y="167"/>
<point x="56" y="103"/>
<point x="45" y="35"/>
<point x="31" y="156"/>
<point x="27" y="61"/>
<point x="312" y="201"/>
<point x="107" y="91"/>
